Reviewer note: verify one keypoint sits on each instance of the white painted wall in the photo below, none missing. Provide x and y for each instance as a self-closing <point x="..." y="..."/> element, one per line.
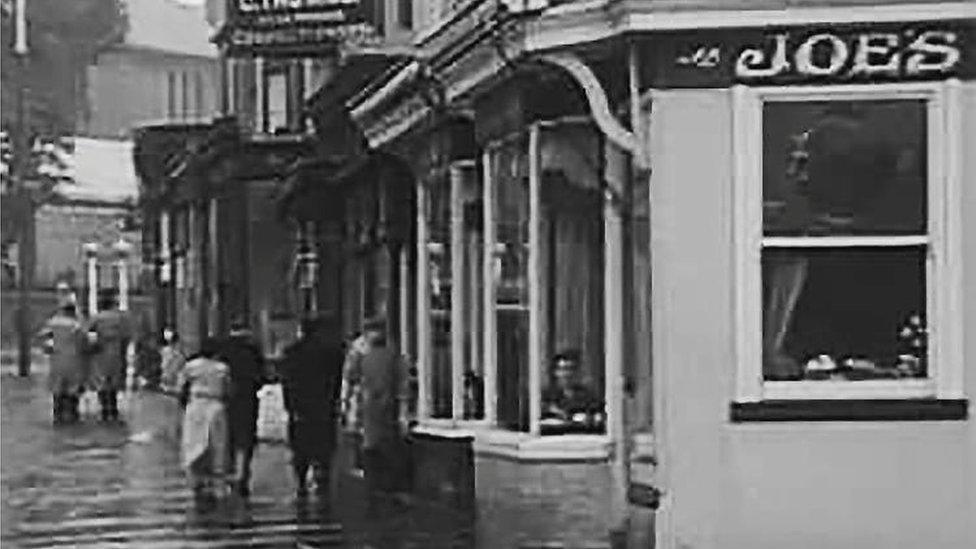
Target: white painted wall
<point x="788" y="485"/>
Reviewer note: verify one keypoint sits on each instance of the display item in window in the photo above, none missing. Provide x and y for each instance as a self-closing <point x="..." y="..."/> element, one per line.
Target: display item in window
<point x="568" y="404"/>
<point x="912" y="347"/>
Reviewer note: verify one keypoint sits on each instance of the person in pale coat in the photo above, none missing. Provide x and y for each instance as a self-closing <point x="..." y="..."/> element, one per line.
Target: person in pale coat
<point x="204" y="391"/>
<point x="64" y="340"/>
<point x="172" y="359"/>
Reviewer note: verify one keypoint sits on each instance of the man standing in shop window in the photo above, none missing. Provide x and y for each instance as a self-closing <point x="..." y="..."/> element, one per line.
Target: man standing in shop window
<point x="381" y="374"/>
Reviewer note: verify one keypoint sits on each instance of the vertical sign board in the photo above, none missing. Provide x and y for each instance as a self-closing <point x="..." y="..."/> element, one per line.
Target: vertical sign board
<point x="811" y="55"/>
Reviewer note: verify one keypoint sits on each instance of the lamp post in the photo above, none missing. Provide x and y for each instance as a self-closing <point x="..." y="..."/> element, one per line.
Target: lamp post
<point x="91" y="263"/>
<point x="122" y="248"/>
<point x="21" y="152"/>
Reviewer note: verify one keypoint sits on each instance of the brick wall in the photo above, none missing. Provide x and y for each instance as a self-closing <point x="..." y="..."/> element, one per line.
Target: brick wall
<point x="542" y="504"/>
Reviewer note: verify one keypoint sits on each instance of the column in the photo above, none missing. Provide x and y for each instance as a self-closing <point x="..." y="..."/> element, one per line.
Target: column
<point x="122" y="249"/>
<point x="490" y="325"/>
<point x="613" y="342"/>
<point x="260" y="120"/>
<point x="213" y="267"/>
<point x="423" y="307"/>
<point x="457" y="292"/>
<point x="534" y="271"/>
<point x="91" y="264"/>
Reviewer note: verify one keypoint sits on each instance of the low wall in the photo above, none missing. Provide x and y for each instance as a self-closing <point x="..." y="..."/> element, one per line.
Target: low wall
<point x="540" y="504"/>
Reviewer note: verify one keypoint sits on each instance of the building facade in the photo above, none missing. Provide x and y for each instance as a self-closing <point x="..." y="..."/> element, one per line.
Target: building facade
<point x="700" y="200"/>
<point x="746" y="220"/>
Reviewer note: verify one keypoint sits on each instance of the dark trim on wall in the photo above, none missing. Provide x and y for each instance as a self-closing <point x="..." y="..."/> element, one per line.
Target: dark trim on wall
<point x="851" y="410"/>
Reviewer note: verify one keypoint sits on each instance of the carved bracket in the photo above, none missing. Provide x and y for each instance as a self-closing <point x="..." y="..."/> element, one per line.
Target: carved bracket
<point x="597" y="99"/>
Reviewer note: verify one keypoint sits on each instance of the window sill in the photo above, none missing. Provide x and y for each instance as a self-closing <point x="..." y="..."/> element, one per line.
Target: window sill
<point x="891" y="389"/>
<point x="851" y="410"/>
<point x="524" y="447"/>
<point x="519" y="446"/>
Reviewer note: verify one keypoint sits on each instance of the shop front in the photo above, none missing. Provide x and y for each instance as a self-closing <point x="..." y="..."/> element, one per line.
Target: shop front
<point x="810" y="259"/>
<point x="782" y="195"/>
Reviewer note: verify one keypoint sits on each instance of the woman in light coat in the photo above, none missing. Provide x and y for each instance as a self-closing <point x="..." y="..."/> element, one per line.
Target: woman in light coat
<point x="64" y="340"/>
<point x="172" y="360"/>
<point x="204" y="390"/>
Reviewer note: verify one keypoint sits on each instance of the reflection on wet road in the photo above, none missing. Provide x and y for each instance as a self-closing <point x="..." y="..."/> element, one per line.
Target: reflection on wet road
<point x="94" y="485"/>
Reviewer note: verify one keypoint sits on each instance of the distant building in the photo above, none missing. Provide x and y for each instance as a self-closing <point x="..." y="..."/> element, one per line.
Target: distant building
<point x="165" y="69"/>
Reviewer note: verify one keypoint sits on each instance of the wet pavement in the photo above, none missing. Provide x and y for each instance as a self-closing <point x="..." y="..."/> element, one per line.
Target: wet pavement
<point x="120" y="485"/>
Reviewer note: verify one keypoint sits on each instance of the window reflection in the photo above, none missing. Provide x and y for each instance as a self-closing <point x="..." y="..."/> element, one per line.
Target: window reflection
<point x="439" y="280"/>
<point x="511" y="254"/>
<point x="844" y="167"/>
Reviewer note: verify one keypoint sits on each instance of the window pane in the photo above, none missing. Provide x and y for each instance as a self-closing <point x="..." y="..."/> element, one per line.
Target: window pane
<point x="572" y="248"/>
<point x="277" y="115"/>
<point x="511" y="255"/>
<point x="473" y="290"/>
<point x="439" y="279"/>
<point x="850" y="313"/>
<point x="844" y="167"/>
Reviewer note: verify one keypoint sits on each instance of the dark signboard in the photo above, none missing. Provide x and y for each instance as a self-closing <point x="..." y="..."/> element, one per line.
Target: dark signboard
<point x="293" y="26"/>
<point x="825" y="54"/>
<point x="268" y="7"/>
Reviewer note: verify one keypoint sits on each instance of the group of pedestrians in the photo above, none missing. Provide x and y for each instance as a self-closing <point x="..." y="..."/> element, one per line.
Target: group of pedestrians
<point x="218" y="390"/>
<point x="363" y="389"/>
<point x="86" y="354"/>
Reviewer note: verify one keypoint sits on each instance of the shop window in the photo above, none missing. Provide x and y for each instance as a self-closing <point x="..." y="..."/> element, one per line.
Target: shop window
<point x="521" y="233"/>
<point x="438" y="214"/>
<point x="472" y="292"/>
<point x="510" y="195"/>
<point x="846" y="204"/>
<point x="276" y="112"/>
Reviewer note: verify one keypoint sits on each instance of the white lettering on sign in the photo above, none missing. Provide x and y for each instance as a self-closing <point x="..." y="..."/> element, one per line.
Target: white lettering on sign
<point x="867" y="54"/>
<point x="752" y="63"/>
<point x="806" y="64"/>
<point x="703" y="57"/>
<point x="264" y="6"/>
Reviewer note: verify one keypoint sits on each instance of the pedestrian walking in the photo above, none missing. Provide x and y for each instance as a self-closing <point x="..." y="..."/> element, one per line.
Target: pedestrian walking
<point x="243" y="355"/>
<point x="311" y="377"/>
<point x="204" y="392"/>
<point x="172" y="359"/>
<point x="64" y="340"/>
<point x="108" y="338"/>
<point x="148" y="360"/>
<point x="351" y="394"/>
<point x="382" y="377"/>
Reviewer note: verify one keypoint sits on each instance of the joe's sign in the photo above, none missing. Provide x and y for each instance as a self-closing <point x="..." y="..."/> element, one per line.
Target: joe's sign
<point x="812" y="55"/>
<point x="909" y="54"/>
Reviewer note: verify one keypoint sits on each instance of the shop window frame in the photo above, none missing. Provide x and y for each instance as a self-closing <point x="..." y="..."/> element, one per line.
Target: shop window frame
<point x="943" y="254"/>
<point x="489" y="436"/>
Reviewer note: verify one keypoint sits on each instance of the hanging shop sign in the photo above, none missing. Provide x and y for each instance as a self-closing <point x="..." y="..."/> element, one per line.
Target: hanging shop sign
<point x="261" y="7"/>
<point x="292" y="36"/>
<point x="812" y="55"/>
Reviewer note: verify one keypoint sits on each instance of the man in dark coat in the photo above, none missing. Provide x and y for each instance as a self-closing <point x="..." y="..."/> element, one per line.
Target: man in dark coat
<point x="382" y="377"/>
<point x="241" y="352"/>
<point x="109" y="334"/>
<point x="311" y="377"/>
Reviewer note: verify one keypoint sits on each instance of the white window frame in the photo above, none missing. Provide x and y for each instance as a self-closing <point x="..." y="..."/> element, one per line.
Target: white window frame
<point x="943" y="260"/>
<point x="489" y="436"/>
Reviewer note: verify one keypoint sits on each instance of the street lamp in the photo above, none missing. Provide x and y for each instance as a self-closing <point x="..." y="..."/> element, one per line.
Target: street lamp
<point x="91" y="262"/>
<point x="122" y="249"/>
<point x="308" y="266"/>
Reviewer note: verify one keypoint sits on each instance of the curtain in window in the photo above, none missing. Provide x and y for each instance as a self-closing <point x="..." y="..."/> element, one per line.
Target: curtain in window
<point x="785" y="279"/>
